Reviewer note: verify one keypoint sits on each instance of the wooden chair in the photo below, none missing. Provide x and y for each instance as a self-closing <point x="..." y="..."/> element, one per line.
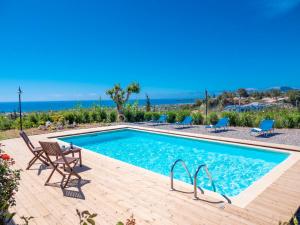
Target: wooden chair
<point x="68" y="163"/>
<point x="36" y="151"/>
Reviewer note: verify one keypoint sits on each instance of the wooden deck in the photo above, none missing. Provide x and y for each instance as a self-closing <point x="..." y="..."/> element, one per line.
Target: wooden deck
<point x="115" y="190"/>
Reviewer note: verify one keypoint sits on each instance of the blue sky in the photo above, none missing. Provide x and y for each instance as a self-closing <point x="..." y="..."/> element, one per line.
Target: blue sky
<point x="61" y="50"/>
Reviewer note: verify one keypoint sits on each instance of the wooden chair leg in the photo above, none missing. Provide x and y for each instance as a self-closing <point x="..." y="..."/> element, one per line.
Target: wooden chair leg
<point x="43" y="159"/>
<point x="62" y="182"/>
<point x="31" y="162"/>
<point x="51" y="174"/>
<point x="80" y="159"/>
<point x="55" y="168"/>
<point x="67" y="181"/>
<point x="35" y="158"/>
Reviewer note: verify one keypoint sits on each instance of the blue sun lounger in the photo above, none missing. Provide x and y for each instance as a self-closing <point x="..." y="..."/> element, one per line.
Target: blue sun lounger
<point x="265" y="127"/>
<point x="162" y="119"/>
<point x="187" y="121"/>
<point x="221" y="124"/>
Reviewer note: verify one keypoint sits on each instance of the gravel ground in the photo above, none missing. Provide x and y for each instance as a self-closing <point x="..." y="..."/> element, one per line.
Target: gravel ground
<point x="280" y="136"/>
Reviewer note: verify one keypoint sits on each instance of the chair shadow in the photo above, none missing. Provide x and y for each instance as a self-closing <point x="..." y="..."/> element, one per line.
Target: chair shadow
<point x="183" y="128"/>
<point x="140" y="122"/>
<point x="73" y="188"/>
<point x="222" y="131"/>
<point x="83" y="168"/>
<point x="156" y="124"/>
<point x="269" y="135"/>
<point x="78" y="194"/>
<point x="40" y="168"/>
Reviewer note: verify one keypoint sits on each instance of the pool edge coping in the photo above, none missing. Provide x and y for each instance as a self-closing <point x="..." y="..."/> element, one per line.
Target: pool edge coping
<point x="187" y="134"/>
<point x="241" y="200"/>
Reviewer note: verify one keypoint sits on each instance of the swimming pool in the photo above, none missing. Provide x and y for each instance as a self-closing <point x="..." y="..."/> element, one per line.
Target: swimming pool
<point x="233" y="167"/>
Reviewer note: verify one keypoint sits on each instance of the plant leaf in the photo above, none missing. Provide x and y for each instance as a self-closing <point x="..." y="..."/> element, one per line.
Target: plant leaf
<point x="91" y="221"/>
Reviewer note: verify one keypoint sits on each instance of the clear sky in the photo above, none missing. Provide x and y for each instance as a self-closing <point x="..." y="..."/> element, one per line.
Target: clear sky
<point x="71" y="49"/>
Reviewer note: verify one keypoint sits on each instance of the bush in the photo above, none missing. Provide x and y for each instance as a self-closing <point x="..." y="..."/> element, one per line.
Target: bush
<point x="103" y="116"/>
<point x="129" y="115"/>
<point x="9" y="181"/>
<point x="233" y="118"/>
<point x="5" y="123"/>
<point x="246" y="119"/>
<point x="288" y="121"/>
<point x="198" y="118"/>
<point x="155" y="116"/>
<point x="213" y="118"/>
<point x="139" y="116"/>
<point x="148" y="116"/>
<point x="94" y="116"/>
<point x="171" y="117"/>
<point x="68" y="115"/>
<point x="33" y="118"/>
<point x="85" y="116"/>
<point x="181" y="114"/>
<point x="113" y="116"/>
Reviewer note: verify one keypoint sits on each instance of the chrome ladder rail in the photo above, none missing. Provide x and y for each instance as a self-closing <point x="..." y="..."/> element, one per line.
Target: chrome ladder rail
<point x="209" y="177"/>
<point x="172" y="172"/>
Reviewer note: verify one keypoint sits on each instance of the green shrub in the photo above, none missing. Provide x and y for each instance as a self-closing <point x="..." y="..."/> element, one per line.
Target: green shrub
<point x="246" y="120"/>
<point x="44" y="116"/>
<point x="129" y="115"/>
<point x="181" y="115"/>
<point x="288" y="121"/>
<point x="171" y="117"/>
<point x="155" y="115"/>
<point x="148" y="116"/>
<point x="233" y="118"/>
<point x="113" y="116"/>
<point x="33" y="118"/>
<point x="198" y="118"/>
<point x="139" y="116"/>
<point x="5" y="123"/>
<point x="85" y="116"/>
<point x="78" y="117"/>
<point x="296" y="119"/>
<point x="94" y="116"/>
<point x="103" y="116"/>
<point x="213" y="118"/>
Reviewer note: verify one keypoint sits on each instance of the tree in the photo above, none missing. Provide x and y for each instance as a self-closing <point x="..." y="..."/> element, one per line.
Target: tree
<point x="148" y="104"/>
<point x="198" y="102"/>
<point x="120" y="96"/>
<point x="294" y="97"/>
<point x="242" y="92"/>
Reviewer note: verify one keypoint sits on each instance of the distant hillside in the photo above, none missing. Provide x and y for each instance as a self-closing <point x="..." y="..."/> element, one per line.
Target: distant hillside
<point x="283" y="88"/>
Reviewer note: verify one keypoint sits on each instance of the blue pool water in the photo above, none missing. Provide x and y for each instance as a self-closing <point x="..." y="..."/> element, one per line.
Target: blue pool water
<point x="233" y="167"/>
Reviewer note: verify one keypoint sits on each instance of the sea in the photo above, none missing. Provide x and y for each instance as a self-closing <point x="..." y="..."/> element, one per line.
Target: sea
<point x="44" y="106"/>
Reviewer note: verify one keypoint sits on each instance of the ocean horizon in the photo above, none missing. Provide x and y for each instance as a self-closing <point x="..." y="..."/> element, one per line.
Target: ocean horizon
<point x="44" y="106"/>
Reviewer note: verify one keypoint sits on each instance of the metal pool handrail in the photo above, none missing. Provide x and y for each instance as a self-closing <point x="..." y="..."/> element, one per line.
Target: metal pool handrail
<point x="208" y="175"/>
<point x="172" y="172"/>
